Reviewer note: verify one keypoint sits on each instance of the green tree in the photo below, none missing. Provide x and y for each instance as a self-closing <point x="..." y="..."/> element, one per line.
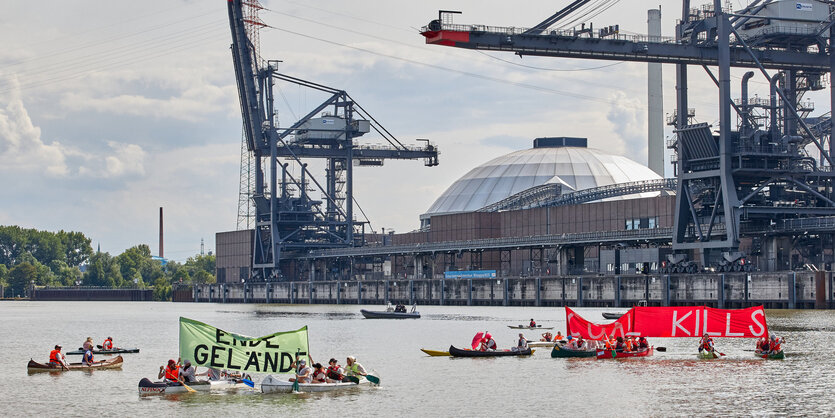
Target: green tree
<point x="4" y="279"/>
<point x="103" y="270"/>
<point x="45" y="246"/>
<point x="77" y="248"/>
<point x="162" y="289"/>
<point x="203" y="277"/>
<point x="12" y="244"/>
<point x="20" y="277"/>
<point x="200" y="262"/>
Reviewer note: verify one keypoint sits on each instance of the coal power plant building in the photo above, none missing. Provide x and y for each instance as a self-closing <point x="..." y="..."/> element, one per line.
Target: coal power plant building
<point x="558" y="208"/>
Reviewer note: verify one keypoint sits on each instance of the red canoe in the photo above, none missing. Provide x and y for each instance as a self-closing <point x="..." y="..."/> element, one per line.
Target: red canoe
<point x="604" y="354"/>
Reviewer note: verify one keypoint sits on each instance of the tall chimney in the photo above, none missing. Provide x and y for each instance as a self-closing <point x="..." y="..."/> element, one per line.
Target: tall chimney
<point x="655" y="100"/>
<point x="161" y="252"/>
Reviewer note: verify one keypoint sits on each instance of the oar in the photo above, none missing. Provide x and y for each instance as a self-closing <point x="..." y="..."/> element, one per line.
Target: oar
<point x="248" y="382"/>
<point x="661" y="349"/>
<point x="188" y="388"/>
<point x="373" y="379"/>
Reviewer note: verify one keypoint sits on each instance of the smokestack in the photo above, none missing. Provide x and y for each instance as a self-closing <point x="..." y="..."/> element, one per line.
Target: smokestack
<point x="161" y="252"/>
<point x="655" y="100"/>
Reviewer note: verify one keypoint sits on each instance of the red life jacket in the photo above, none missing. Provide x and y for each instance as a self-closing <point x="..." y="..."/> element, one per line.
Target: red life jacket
<point x="55" y="356"/>
<point x="172" y="374"/>
<point x="706" y="343"/>
<point x="333" y="373"/>
<point x="776" y="345"/>
<point x="532" y="324"/>
<point x="107" y="344"/>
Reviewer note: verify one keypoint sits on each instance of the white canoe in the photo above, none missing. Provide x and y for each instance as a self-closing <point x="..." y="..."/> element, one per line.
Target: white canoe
<point x="272" y="384"/>
<point x="147" y="387"/>
<point x="541" y="343"/>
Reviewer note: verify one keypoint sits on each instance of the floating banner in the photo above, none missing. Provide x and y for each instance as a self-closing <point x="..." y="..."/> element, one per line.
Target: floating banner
<point x="674" y="321"/>
<point x="208" y="346"/>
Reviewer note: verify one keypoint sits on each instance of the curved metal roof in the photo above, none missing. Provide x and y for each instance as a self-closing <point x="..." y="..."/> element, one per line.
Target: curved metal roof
<point x="576" y="168"/>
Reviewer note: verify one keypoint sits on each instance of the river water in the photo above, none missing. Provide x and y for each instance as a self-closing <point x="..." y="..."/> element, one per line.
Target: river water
<point x="674" y="383"/>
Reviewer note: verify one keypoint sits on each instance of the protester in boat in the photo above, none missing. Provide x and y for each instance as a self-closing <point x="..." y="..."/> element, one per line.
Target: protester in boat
<point x="487" y="343"/>
<point x="627" y="343"/>
<point x="532" y="324"/>
<point x="87" y="357"/>
<point x="335" y="372"/>
<point x="88" y="344"/>
<point x="522" y="344"/>
<point x="107" y="344"/>
<point x="774" y="344"/>
<point x="558" y="337"/>
<point x="547" y="337"/>
<point x="400" y="308"/>
<point x="319" y="375"/>
<point x="171" y="372"/>
<point x="706" y="343"/>
<point x="619" y="344"/>
<point x="57" y="358"/>
<point x="581" y="343"/>
<point x="303" y="372"/>
<point x="642" y="343"/>
<point x="187" y="373"/>
<point x="211" y="373"/>
<point x="352" y="368"/>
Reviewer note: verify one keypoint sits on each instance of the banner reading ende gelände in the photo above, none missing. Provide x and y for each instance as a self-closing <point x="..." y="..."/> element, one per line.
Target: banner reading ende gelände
<point x="208" y="346"/>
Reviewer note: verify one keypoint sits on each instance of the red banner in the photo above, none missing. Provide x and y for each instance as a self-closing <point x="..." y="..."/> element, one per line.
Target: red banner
<point x="674" y="321"/>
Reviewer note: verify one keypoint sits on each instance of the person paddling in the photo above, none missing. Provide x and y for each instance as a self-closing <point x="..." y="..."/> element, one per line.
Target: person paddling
<point x="487" y="343"/>
<point x="353" y="368"/>
<point x="107" y="344"/>
<point x="56" y="358"/>
<point x="774" y="346"/>
<point x="706" y="344"/>
<point x="547" y="337"/>
<point x="171" y="372"/>
<point x="532" y="324"/>
<point x="303" y="372"/>
<point x="87" y="358"/>
<point x="558" y="337"/>
<point x="187" y="373"/>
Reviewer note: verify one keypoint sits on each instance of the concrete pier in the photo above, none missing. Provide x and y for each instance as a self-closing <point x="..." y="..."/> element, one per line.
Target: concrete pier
<point x="788" y="290"/>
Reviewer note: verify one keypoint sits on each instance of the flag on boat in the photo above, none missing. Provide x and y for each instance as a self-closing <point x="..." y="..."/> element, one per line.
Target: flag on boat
<point x="208" y="346"/>
<point x="674" y="321"/>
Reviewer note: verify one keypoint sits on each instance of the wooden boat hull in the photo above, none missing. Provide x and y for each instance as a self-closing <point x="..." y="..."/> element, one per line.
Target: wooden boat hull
<point x="458" y="352"/>
<point x="774" y="356"/>
<point x="436" y="353"/>
<point x="527" y="327"/>
<point x="114" y="363"/>
<point x="562" y="352"/>
<point x="104" y="352"/>
<point x="389" y="315"/>
<point x="607" y="354"/>
<point x="612" y="315"/>
<point x="147" y="387"/>
<point x="540" y="344"/>
<point x="272" y="384"/>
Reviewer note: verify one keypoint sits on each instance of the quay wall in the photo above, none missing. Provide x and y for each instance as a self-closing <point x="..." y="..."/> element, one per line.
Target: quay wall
<point x="790" y="290"/>
<point x="83" y="293"/>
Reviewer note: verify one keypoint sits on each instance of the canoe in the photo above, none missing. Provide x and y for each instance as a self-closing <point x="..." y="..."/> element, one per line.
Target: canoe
<point x="113" y="363"/>
<point x="560" y="352"/>
<point x="527" y="327"/>
<point x="607" y="354"/>
<point x="774" y="356"/>
<point x="389" y="315"/>
<point x="272" y="384"/>
<point x="147" y="387"/>
<point x="97" y="352"/>
<point x="707" y="355"/>
<point x="458" y="352"/>
<point x="435" y="353"/>
<point x="612" y="315"/>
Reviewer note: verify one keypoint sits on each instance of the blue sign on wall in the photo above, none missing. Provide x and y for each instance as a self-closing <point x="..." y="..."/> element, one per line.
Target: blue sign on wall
<point x="470" y="274"/>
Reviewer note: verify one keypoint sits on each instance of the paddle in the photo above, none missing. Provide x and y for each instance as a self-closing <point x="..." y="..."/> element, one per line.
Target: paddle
<point x="373" y="379"/>
<point x="662" y="349"/>
<point x="248" y="382"/>
<point x="188" y="388"/>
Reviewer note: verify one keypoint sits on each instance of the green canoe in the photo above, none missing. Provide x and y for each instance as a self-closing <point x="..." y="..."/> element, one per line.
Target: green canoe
<point x="774" y="356"/>
<point x="707" y="355"/>
<point x="558" y="351"/>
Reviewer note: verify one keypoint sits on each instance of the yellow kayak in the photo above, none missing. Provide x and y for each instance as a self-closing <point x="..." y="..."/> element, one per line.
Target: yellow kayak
<point x="435" y="353"/>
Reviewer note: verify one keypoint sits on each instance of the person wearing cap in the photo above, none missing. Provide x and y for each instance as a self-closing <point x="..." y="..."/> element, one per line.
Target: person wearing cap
<point x="107" y="344"/>
<point x="303" y="372"/>
<point x="187" y="373"/>
<point x="522" y="344"/>
<point x="335" y="372"/>
<point x="56" y="358"/>
<point x="171" y="372"/>
<point x="353" y="368"/>
<point x="572" y="344"/>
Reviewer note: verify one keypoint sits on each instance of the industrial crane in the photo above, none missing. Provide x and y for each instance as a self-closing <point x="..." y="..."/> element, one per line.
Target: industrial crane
<point x="288" y="220"/>
<point x="740" y="182"/>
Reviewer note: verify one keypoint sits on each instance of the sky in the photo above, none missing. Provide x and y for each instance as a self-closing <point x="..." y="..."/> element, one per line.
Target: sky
<point x="111" y="110"/>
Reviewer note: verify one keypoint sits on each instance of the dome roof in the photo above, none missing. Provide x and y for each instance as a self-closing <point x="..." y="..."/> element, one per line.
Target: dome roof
<point x="575" y="167"/>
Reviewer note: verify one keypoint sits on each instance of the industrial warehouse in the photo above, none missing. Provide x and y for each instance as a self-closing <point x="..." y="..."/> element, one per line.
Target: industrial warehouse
<point x="748" y="218"/>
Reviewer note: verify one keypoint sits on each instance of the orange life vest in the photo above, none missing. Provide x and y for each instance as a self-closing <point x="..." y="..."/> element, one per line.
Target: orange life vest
<point x="107" y="344"/>
<point x="628" y="344"/>
<point x="55" y="356"/>
<point x="172" y="374"/>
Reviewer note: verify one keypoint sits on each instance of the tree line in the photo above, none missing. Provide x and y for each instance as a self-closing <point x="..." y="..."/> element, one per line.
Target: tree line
<point x="62" y="258"/>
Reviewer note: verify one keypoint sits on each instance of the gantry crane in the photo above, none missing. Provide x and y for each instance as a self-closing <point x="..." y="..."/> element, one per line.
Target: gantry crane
<point x="739" y="182"/>
<point x="288" y="220"/>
